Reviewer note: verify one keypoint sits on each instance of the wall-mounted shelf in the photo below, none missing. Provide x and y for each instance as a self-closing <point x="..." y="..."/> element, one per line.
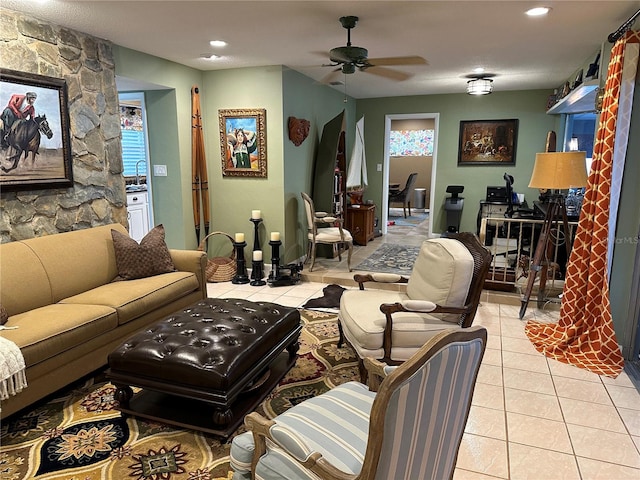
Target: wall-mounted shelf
<point x="581" y="99"/>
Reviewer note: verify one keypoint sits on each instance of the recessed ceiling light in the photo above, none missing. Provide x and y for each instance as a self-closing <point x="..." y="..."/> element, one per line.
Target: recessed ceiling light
<point x="210" y="56"/>
<point x="478" y="70"/>
<point x="218" y="43"/>
<point x="538" y="11"/>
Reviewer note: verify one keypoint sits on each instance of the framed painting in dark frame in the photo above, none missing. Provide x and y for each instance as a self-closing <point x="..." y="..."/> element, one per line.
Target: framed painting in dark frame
<point x="488" y="142"/>
<point x="35" y="143"/>
<point x="243" y="142"/>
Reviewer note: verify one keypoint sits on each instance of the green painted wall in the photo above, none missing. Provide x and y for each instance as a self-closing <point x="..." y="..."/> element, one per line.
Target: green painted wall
<point x="527" y="106"/>
<point x="233" y="198"/>
<point x="169" y="127"/>
<point x="306" y="99"/>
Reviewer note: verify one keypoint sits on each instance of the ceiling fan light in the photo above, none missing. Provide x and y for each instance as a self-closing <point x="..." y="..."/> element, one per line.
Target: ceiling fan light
<point x="480" y="86"/>
<point x="348" y="68"/>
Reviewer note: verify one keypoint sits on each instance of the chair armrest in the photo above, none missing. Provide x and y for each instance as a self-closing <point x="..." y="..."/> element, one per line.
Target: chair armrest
<point x="292" y="444"/>
<point x="413" y="306"/>
<point x="194" y="261"/>
<point x="419" y="306"/>
<point x="379" y="278"/>
<point x="376" y="372"/>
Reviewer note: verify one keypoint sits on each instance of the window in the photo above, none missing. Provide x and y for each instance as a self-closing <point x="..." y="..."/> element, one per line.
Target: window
<point x="581" y="127"/>
<point x="134" y="145"/>
<point x="411" y="143"/>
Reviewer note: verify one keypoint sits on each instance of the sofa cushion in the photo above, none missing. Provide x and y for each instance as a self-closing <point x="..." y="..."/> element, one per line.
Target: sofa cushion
<point x="73" y="262"/>
<point x="139" y="260"/>
<point x="47" y="331"/>
<point x="24" y="283"/>
<point x="135" y="298"/>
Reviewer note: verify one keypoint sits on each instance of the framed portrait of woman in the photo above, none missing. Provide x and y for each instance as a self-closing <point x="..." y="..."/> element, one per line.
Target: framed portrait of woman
<point x="243" y="142"/>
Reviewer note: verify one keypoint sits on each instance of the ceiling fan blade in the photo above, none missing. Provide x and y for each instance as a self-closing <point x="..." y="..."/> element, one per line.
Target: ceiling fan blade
<point x="388" y="73"/>
<point x="331" y="76"/>
<point x="397" y="61"/>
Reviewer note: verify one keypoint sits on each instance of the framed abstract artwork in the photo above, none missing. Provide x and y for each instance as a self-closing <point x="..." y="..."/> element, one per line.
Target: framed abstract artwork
<point x="35" y="145"/>
<point x="243" y="142"/>
<point x="488" y="142"/>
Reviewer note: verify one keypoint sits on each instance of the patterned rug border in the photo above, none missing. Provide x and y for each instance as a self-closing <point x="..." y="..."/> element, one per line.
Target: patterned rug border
<point x="390" y="258"/>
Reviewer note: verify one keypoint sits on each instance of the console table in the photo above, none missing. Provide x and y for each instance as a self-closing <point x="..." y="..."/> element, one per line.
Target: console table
<point x="360" y="222"/>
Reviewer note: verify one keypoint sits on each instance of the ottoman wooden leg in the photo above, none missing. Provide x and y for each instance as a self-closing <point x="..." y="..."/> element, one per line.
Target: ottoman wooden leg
<point x="123" y="395"/>
<point x="222" y="417"/>
<point x="293" y="348"/>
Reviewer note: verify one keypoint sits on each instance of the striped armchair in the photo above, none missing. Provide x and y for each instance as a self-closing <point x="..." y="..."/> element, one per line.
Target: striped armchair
<point x="410" y="429"/>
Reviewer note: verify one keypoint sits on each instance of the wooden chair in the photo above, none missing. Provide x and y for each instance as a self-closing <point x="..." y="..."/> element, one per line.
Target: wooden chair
<point x="411" y="428"/>
<point x="336" y="236"/>
<point x="404" y="195"/>
<point x="442" y="293"/>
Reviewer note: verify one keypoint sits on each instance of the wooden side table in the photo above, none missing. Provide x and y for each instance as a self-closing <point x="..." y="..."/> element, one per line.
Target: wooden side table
<point x="360" y="222"/>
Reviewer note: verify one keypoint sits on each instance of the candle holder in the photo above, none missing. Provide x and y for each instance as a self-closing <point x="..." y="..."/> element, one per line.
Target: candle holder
<point x="241" y="266"/>
<point x="256" y="238"/>
<point x="281" y="276"/>
<point x="257" y="273"/>
<point x="275" y="259"/>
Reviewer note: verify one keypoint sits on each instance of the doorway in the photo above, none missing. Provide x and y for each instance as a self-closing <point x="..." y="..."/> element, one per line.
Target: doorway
<point x="427" y="168"/>
<point x="136" y="163"/>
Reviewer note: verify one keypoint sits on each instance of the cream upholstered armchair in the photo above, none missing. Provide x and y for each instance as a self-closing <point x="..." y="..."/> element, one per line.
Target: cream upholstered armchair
<point x="326" y="234"/>
<point x="410" y="429"/>
<point x="442" y="292"/>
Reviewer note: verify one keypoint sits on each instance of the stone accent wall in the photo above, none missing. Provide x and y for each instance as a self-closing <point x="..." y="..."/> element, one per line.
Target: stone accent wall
<point x="86" y="63"/>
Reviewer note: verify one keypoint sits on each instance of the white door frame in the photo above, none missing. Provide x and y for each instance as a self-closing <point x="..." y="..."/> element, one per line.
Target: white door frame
<point x="385" y="165"/>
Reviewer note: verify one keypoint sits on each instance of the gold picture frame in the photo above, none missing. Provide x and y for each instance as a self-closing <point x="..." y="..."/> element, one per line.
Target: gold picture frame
<point x="243" y="142"/>
<point x="488" y="142"/>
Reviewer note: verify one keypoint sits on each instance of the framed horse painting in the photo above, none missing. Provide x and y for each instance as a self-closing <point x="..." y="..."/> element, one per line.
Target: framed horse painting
<point x="35" y="146"/>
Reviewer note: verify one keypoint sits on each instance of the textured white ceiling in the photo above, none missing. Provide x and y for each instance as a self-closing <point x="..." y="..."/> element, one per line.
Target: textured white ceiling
<point x="453" y="36"/>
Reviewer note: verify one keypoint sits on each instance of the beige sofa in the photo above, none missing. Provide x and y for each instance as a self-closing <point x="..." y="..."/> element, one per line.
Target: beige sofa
<point x="59" y="291"/>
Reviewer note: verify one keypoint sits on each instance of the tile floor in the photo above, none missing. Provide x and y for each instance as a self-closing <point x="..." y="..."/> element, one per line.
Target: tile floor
<point x="531" y="417"/>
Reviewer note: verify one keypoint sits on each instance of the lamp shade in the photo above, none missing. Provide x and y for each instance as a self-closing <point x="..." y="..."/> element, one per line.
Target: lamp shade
<point x="480" y="86"/>
<point x="559" y="170"/>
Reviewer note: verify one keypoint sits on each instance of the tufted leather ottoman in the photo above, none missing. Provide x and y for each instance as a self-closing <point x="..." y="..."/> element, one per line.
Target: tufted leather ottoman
<point x="228" y="353"/>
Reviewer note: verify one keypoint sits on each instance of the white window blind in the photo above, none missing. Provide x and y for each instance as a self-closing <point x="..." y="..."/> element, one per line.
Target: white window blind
<point x="133" y="150"/>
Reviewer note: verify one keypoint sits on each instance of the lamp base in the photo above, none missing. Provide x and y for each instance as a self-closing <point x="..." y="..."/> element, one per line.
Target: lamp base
<point x="355" y="197"/>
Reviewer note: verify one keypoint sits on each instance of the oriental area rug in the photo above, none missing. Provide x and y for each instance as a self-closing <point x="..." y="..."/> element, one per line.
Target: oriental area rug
<point x="390" y="258"/>
<point x="79" y="435"/>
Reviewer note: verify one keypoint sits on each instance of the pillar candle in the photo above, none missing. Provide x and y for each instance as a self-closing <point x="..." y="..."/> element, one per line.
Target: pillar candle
<point x="275" y="236"/>
<point x="257" y="255"/>
<point x="256" y="214"/>
<point x="239" y="237"/>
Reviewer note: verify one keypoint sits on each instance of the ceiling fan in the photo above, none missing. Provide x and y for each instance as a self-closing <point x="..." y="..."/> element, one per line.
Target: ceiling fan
<point x="349" y="58"/>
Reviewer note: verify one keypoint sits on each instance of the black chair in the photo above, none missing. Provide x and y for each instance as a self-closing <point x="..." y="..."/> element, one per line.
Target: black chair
<point x="403" y="195"/>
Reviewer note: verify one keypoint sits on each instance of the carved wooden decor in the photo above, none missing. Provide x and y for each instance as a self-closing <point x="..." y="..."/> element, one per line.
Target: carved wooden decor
<point x="298" y="130"/>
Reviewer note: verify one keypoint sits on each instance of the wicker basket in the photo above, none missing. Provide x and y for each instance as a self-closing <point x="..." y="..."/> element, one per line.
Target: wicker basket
<point x="219" y="269"/>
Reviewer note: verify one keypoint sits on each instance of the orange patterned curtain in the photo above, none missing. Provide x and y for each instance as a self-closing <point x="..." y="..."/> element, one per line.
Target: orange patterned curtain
<point x="584" y="335"/>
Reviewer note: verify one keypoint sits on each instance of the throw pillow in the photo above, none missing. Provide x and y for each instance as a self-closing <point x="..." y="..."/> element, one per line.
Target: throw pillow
<point x="150" y="257"/>
<point x="4" y="316"/>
